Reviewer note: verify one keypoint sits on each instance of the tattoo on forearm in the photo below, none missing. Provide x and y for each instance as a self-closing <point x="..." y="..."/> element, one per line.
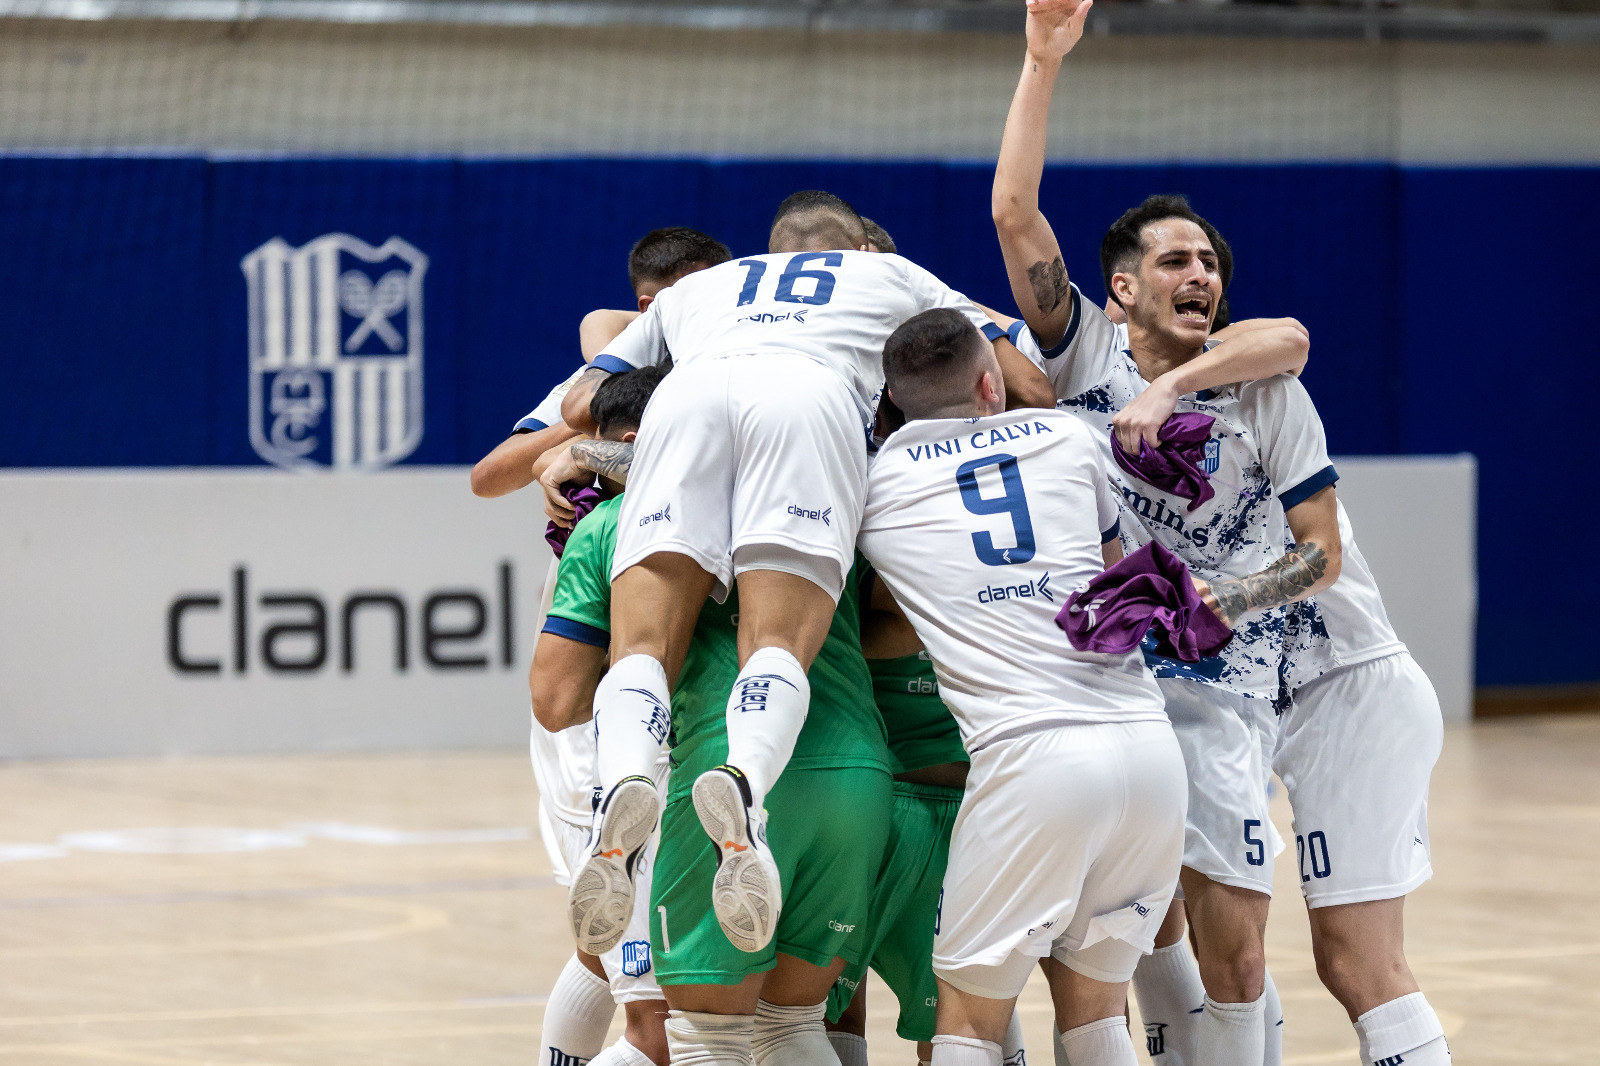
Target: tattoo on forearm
<point x="1050" y="286"/>
<point x="1287" y="580"/>
<point x="608" y="458"/>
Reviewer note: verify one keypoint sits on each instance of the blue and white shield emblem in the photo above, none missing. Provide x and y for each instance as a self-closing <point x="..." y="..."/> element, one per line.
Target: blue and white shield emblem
<point x="335" y="352"/>
<point x="1213" y="457"/>
<point x="636" y="958"/>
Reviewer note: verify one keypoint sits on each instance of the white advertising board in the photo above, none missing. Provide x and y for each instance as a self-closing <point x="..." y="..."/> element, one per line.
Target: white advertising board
<point x="178" y="612"/>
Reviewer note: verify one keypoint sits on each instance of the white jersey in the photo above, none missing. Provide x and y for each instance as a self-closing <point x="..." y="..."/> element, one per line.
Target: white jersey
<point x="981" y="528"/>
<point x="1343" y="624"/>
<point x="835" y="307"/>
<point x="1266" y="454"/>
<point x="563" y="763"/>
<point x="548" y="413"/>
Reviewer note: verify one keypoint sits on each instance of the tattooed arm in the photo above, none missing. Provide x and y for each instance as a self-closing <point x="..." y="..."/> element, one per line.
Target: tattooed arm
<point x="1306" y="569"/>
<point x="1033" y="257"/>
<point x="611" y="459"/>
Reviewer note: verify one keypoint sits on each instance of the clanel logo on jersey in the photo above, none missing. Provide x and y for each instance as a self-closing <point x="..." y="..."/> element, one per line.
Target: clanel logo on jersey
<point x="1213" y="457"/>
<point x="636" y="958"/>
<point x="822" y="516"/>
<point x="335" y="352"/>
<point x="663" y="515"/>
<point x="1025" y="590"/>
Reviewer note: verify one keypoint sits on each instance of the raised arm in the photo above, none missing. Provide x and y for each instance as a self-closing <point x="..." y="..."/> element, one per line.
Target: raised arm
<point x="600" y="328"/>
<point x="1253" y="350"/>
<point x="510" y="466"/>
<point x="1305" y="570"/>
<point x="610" y="459"/>
<point x="1032" y="255"/>
<point x="575" y="405"/>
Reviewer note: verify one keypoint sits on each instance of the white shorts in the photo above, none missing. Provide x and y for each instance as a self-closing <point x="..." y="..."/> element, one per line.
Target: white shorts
<point x="1068" y="845"/>
<point x="1228" y="836"/>
<point x="1356" y="748"/>
<point x="743" y="452"/>
<point x="628" y="966"/>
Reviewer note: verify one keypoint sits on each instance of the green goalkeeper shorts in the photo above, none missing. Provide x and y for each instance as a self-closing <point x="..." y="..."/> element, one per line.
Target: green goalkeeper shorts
<point x="826" y="828"/>
<point x="905" y="908"/>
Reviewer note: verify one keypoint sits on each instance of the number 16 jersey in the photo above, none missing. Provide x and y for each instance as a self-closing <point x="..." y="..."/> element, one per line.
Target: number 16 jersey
<point x="981" y="528"/>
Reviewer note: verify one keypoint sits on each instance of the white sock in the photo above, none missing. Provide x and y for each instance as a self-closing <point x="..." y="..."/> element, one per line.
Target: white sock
<point x="792" y="1036"/>
<point x="1273" y="1019"/>
<point x="964" y="1051"/>
<point x="1055" y="1045"/>
<point x="621" y="1053"/>
<point x="1102" y="1043"/>
<point x="1403" y="1030"/>
<point x="1012" y="1050"/>
<point x="576" y="1017"/>
<point x="1231" y="1032"/>
<point x="631" y="719"/>
<point x="765" y="712"/>
<point x="851" y="1049"/>
<point x="698" y="1039"/>
<point x="1167" y="984"/>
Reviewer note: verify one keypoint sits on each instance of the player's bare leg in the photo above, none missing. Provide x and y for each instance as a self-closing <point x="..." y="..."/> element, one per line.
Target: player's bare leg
<point x="1230" y="926"/>
<point x="1360" y="954"/>
<point x="774" y="1019"/>
<point x="783" y="619"/>
<point x="655" y="604"/>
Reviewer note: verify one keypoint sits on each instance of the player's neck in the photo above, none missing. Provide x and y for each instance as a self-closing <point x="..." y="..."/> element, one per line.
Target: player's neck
<point x="1155" y="354"/>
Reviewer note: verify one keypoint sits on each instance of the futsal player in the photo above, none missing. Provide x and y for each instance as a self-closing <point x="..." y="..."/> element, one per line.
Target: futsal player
<point x="753" y="463"/>
<point x="1162" y="266"/>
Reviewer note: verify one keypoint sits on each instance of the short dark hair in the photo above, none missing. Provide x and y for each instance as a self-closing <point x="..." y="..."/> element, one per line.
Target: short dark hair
<point x="928" y="361"/>
<point x="812" y="216"/>
<point x="619" y="402"/>
<point x="877" y="236"/>
<point x="1123" y="245"/>
<point x="668" y="254"/>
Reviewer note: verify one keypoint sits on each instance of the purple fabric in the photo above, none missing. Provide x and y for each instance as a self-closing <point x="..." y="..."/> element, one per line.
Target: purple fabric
<point x="1147" y="592"/>
<point x="1174" y="465"/>
<point x="583" y="499"/>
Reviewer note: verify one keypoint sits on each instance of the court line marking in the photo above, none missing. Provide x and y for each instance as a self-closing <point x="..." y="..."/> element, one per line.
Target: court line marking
<point x="505" y="884"/>
<point x="414" y="918"/>
<point x="99" y="1047"/>
<point x="309" y="1010"/>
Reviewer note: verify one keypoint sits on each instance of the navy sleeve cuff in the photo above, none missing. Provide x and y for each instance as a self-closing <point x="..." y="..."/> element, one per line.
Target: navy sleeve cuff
<point x="1309" y="487"/>
<point x="992" y="331"/>
<point x="1014" y="334"/>
<point x="611" y="364"/>
<point x="1116" y="528"/>
<point x="529" y="425"/>
<point x="578" y="631"/>
<point x="1072" y="326"/>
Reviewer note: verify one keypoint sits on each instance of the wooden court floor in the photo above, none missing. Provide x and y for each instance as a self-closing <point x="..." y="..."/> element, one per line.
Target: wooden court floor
<point x="314" y="911"/>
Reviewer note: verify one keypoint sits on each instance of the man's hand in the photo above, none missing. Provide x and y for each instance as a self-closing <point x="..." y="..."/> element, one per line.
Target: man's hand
<point x="1054" y="26"/>
<point x="559" y="468"/>
<point x="1142" y="419"/>
<point x="1226" y="600"/>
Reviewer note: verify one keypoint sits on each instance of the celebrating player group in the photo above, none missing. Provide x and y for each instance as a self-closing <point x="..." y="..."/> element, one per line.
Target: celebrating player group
<point x="891" y="632"/>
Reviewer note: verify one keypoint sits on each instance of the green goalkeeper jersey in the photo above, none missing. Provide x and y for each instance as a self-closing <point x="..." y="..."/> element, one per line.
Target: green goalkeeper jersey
<point x="843" y="727"/>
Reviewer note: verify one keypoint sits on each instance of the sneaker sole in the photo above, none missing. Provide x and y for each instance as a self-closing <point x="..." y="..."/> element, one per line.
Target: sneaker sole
<point x="745" y="893"/>
<point x="600" y="902"/>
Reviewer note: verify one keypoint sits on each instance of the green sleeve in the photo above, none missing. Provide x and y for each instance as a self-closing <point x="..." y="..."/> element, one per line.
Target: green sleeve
<point x="583" y="580"/>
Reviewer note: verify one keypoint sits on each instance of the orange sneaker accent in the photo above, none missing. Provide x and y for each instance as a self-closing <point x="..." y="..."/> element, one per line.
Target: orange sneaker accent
<point x="613" y="853"/>
<point x="735" y="847"/>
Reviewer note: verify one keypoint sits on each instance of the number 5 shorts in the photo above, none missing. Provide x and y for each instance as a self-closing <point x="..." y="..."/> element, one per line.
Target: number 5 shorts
<point x="1228" y="836"/>
<point x="1067" y="845"/>
<point x="1355" y="750"/>
<point x="748" y="461"/>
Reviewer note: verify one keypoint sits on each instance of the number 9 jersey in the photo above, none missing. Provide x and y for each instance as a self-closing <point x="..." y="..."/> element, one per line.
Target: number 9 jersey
<point x="981" y="528"/>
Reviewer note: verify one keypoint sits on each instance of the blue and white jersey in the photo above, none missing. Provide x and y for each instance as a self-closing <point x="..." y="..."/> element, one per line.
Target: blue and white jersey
<point x="1340" y="626"/>
<point x="981" y="528"/>
<point x="835" y="307"/>
<point x="1267" y="453"/>
<point x="548" y="413"/>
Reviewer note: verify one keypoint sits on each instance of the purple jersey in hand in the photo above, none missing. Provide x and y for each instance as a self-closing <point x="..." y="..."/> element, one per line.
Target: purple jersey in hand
<point x="583" y="500"/>
<point x="1175" y="465"/>
<point x="1149" y="591"/>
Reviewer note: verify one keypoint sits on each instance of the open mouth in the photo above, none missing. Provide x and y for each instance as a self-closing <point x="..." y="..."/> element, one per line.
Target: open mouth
<point x="1193" y="309"/>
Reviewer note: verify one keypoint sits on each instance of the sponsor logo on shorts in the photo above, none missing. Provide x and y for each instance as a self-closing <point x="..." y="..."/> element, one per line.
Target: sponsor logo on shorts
<point x="1026" y="590"/>
<point x="798" y="317"/>
<point x="922" y="686"/>
<point x="636" y="958"/>
<point x="1155" y="1038"/>
<point x="845" y="983"/>
<point x="1140" y="909"/>
<point x="816" y="516"/>
<point x="753" y="691"/>
<point x="659" y="720"/>
<point x="663" y="515"/>
<point x="840" y="927"/>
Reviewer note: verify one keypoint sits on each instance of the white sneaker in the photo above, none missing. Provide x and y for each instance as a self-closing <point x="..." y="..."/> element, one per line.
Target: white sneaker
<point x="746" y="892"/>
<point x="600" y="902"/>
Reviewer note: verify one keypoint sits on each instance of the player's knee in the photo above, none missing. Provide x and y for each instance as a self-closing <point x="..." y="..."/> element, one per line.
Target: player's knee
<point x="1350" y="972"/>
<point x="1236" y="975"/>
<point x="647" y="1030"/>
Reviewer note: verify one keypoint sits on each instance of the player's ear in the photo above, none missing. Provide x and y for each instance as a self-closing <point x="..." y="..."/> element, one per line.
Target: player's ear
<point x="1123" y="289"/>
<point x="627" y="438"/>
<point x="645" y="302"/>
